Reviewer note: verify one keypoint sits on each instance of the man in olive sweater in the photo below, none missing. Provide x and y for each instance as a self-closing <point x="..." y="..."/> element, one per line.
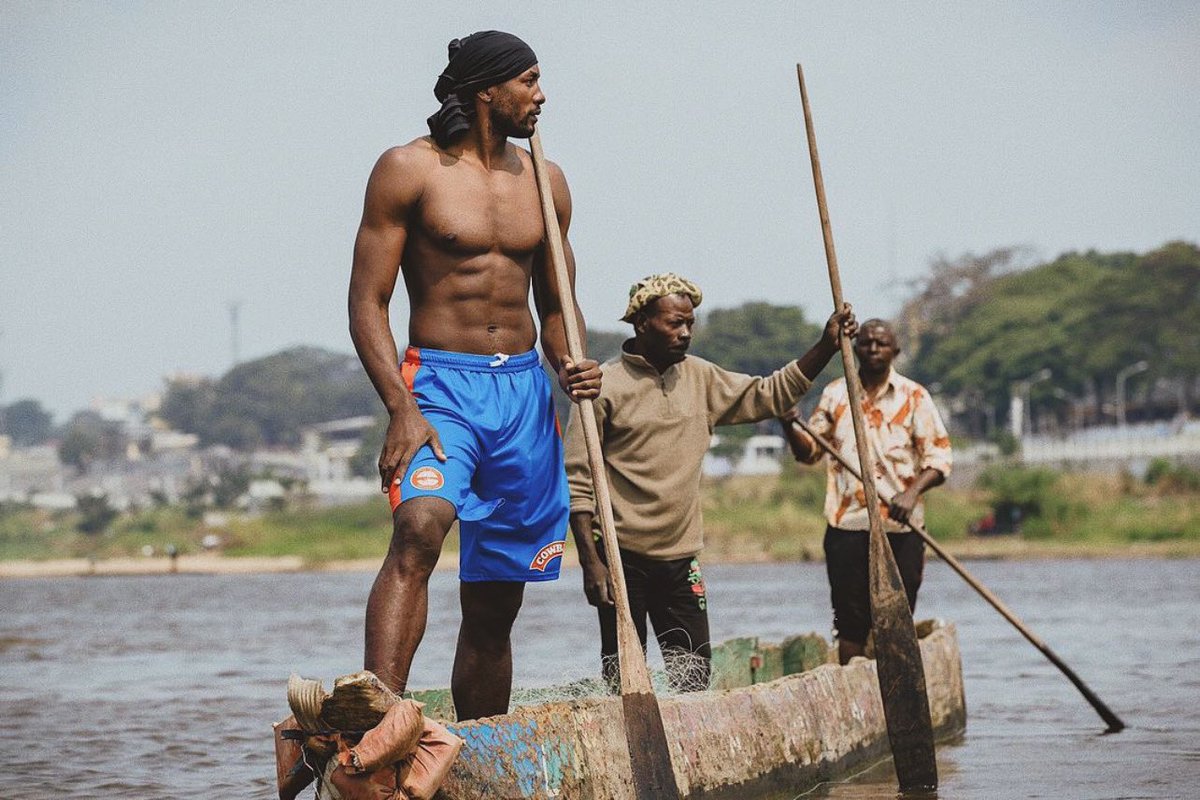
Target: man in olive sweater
<point x="656" y="413"/>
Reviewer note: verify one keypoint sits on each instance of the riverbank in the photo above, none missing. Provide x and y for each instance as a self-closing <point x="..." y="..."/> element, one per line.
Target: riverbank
<point x="747" y="520"/>
<point x="994" y="549"/>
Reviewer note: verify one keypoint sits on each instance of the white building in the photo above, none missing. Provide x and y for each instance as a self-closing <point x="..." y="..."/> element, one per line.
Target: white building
<point x="761" y="454"/>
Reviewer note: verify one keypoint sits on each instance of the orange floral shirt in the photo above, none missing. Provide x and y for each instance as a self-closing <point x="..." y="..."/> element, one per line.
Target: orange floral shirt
<point x="906" y="436"/>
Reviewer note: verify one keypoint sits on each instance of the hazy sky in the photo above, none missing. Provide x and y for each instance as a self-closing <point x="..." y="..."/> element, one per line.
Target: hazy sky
<point x="162" y="160"/>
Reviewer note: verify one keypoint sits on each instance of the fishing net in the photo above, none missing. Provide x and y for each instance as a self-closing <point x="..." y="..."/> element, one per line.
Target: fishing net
<point x="681" y="672"/>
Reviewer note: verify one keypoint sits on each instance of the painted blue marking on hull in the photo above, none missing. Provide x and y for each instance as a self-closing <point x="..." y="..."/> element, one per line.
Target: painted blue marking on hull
<point x="516" y="751"/>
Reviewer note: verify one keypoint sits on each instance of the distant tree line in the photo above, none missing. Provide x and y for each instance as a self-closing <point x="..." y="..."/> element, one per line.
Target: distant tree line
<point x="979" y="326"/>
<point x="973" y="328"/>
<point x="755" y="338"/>
<point x="268" y="401"/>
<point x="26" y="423"/>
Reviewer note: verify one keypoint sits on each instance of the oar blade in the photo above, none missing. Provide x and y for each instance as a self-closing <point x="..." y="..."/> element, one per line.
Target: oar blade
<point x="898" y="656"/>
<point x="649" y="752"/>
<point x="902" y="689"/>
<point x="1115" y="724"/>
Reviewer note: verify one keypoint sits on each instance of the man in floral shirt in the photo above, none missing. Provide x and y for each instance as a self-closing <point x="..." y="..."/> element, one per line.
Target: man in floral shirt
<point x="912" y="455"/>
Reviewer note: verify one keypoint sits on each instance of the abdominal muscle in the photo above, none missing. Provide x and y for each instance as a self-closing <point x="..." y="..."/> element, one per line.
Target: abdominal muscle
<point x="479" y="305"/>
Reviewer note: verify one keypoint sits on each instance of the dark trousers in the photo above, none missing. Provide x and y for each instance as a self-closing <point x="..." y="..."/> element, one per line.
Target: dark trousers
<point x="846" y="554"/>
<point x="672" y="594"/>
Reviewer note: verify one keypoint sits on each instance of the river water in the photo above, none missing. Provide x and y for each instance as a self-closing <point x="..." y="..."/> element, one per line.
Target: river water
<point x="165" y="687"/>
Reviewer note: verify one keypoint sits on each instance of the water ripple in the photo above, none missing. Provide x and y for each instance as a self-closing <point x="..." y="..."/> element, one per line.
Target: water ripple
<point x="168" y="686"/>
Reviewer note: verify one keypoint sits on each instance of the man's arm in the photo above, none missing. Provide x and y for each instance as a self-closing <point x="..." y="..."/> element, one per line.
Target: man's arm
<point x="803" y="448"/>
<point x="392" y="193"/>
<point x="932" y="444"/>
<point x="901" y="506"/>
<point x="818" y="356"/>
<point x="734" y="398"/>
<point x="580" y="380"/>
<point x="595" y="573"/>
<point x="583" y="504"/>
<point x="811" y="363"/>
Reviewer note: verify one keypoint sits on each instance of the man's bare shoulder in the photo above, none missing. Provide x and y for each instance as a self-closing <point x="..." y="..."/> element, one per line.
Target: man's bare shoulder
<point x="401" y="174"/>
<point x="523" y="155"/>
<point x="419" y="154"/>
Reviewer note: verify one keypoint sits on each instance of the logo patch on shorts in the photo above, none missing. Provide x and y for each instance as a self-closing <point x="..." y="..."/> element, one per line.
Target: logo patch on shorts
<point x="427" y="479"/>
<point x="546" y="555"/>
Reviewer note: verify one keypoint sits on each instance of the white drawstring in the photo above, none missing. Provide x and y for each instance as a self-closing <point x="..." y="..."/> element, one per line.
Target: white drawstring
<point x="500" y="361"/>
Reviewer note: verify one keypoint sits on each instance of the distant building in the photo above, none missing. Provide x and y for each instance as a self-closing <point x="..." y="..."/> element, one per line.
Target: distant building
<point x="323" y="461"/>
<point x="26" y="472"/>
<point x="135" y="416"/>
<point x="330" y="447"/>
<point x="159" y="464"/>
<point x="761" y="454"/>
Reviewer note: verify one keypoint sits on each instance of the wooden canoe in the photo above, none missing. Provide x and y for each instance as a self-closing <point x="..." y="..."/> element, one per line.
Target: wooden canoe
<point x="781" y="718"/>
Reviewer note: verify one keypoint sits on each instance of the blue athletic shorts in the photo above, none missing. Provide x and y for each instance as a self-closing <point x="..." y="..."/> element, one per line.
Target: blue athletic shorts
<point x="504" y="470"/>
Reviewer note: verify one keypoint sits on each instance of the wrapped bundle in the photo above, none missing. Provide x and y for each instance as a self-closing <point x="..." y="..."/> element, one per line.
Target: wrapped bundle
<point x="365" y="741"/>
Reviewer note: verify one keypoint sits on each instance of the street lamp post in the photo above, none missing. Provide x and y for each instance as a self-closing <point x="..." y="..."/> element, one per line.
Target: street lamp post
<point x="1042" y="374"/>
<point x="1122" y="376"/>
<point x="1072" y="403"/>
<point x="1018" y="410"/>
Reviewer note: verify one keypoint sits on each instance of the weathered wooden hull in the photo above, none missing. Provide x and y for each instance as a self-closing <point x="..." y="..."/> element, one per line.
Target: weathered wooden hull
<point x="790" y="732"/>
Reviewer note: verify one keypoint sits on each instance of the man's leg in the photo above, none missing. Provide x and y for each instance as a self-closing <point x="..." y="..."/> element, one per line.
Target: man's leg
<point x="399" y="601"/>
<point x="679" y="612"/>
<point x="846" y="554"/>
<point x="636" y="582"/>
<point x="609" y="650"/>
<point x="848" y="650"/>
<point x="909" y="552"/>
<point x="482" y="680"/>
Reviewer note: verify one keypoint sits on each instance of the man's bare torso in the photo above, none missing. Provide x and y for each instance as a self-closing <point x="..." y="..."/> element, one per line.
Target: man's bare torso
<point x="468" y="258"/>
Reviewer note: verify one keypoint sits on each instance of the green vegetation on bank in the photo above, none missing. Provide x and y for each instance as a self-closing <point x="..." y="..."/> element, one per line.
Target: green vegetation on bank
<point x="782" y="517"/>
<point x="316" y="535"/>
<point x="977" y="325"/>
<point x="746" y="518"/>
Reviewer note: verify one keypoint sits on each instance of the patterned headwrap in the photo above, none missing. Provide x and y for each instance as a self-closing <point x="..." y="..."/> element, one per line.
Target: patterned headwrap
<point x="476" y="62"/>
<point x="652" y="287"/>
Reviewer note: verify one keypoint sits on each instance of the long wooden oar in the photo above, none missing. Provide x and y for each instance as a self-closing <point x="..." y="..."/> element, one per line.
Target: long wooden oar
<point x="1113" y="721"/>
<point x="897" y="653"/>
<point x="649" y="753"/>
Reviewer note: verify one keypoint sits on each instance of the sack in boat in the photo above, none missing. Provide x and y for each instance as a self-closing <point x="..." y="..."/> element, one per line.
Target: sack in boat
<point x="402" y="755"/>
<point x="338" y="783"/>
<point x="430" y="763"/>
<point x="291" y="774"/>
<point x="358" y="703"/>
<point x="415" y="776"/>
<point x="394" y="738"/>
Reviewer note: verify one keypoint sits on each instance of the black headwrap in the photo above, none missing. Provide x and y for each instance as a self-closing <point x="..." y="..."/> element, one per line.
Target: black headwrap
<point x="477" y="61"/>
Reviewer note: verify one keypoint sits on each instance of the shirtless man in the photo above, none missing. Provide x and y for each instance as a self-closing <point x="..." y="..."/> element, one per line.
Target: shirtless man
<point x="472" y="432"/>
